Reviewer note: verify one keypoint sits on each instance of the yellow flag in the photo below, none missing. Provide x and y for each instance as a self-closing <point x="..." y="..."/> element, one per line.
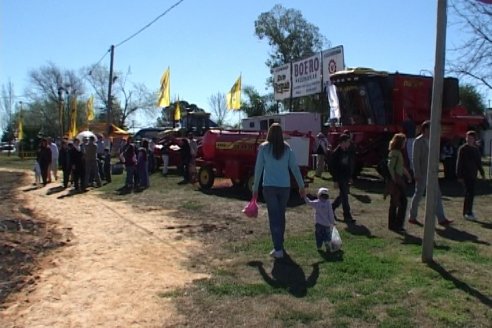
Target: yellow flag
<point x="234" y="96"/>
<point x="90" y="108"/>
<point x="164" y="95"/>
<point x="20" y="127"/>
<point x="72" y="132"/>
<point x="177" y="112"/>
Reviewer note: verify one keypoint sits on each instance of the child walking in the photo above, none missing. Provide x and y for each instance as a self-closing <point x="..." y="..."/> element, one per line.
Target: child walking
<point x="323" y="217"/>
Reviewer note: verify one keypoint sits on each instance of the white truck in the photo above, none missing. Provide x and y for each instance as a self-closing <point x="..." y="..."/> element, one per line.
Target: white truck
<point x="303" y="122"/>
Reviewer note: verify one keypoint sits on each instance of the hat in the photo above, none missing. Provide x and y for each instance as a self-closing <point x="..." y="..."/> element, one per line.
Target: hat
<point x="323" y="191"/>
<point x="320" y="135"/>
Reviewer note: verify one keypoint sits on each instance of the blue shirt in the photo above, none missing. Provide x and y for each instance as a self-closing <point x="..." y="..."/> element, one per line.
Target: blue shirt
<point x="276" y="171"/>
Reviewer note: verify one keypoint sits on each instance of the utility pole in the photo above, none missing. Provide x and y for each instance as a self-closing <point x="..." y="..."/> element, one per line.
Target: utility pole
<point x="435" y="135"/>
<point x="110" y="85"/>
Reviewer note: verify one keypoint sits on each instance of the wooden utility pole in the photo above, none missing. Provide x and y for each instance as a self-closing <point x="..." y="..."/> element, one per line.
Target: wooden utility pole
<point x="110" y="97"/>
<point x="435" y="135"/>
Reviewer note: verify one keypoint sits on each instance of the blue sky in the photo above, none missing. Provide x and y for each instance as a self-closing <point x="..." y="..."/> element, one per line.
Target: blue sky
<point x="207" y="44"/>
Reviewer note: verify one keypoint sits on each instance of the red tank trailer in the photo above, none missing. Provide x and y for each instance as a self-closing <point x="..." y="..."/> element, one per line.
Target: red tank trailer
<point x="232" y="154"/>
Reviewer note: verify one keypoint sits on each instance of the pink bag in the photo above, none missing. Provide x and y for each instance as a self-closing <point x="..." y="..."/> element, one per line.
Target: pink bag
<point x="251" y="209"/>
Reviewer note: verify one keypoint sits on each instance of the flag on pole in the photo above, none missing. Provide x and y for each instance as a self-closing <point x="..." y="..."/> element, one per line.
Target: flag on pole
<point x="72" y="131"/>
<point x="90" y="108"/>
<point x="164" y="95"/>
<point x="234" y="96"/>
<point x="177" y="111"/>
<point x="20" y="127"/>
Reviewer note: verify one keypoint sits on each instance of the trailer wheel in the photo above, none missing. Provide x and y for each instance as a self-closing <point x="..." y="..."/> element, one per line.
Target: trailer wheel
<point x="206" y="177"/>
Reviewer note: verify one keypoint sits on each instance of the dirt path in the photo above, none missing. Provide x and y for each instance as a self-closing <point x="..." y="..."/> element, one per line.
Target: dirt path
<point x="111" y="273"/>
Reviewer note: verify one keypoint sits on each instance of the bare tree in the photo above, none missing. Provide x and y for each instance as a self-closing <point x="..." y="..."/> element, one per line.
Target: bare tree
<point x="6" y="110"/>
<point x="473" y="57"/>
<point x="128" y="98"/>
<point x="51" y="88"/>
<point x="218" y="106"/>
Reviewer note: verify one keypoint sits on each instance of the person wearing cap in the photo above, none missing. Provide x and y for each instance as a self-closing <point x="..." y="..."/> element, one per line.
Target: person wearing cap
<point x="341" y="169"/>
<point x="321" y="148"/>
<point x="324" y="219"/>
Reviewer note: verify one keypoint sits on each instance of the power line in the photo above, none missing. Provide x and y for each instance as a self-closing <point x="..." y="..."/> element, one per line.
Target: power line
<point x="149" y="24"/>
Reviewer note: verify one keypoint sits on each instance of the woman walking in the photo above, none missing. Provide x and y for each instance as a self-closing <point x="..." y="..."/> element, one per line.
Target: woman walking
<point x="274" y="161"/>
<point x="397" y="187"/>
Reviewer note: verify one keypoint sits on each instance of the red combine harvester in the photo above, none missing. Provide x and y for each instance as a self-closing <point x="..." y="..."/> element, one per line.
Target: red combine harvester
<point x="374" y="104"/>
<point x="232" y="154"/>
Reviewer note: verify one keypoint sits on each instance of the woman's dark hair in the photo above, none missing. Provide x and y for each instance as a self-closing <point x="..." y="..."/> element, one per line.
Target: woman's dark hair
<point x="275" y="137"/>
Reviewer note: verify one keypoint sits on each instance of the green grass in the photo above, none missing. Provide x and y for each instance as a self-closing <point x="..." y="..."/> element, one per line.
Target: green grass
<point x="15" y="162"/>
<point x="379" y="280"/>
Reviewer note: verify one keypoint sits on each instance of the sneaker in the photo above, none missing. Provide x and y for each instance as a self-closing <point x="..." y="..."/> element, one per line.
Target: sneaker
<point x="445" y="222"/>
<point x="277" y="254"/>
<point x="413" y="221"/>
<point x="469" y="217"/>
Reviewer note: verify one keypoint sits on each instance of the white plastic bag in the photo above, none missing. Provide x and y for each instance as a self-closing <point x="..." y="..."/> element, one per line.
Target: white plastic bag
<point x="336" y="241"/>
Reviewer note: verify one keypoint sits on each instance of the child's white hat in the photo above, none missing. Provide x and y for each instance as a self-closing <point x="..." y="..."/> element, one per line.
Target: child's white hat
<point x="323" y="191"/>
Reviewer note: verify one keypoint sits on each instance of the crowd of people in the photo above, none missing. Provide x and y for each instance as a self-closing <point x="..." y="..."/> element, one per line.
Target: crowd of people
<point x="140" y="161"/>
<point x="406" y="164"/>
<point x="83" y="164"/>
<point x="89" y="163"/>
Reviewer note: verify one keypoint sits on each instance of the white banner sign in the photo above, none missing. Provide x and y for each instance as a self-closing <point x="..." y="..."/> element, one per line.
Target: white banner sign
<point x="281" y="82"/>
<point x="306" y="76"/>
<point x="333" y="61"/>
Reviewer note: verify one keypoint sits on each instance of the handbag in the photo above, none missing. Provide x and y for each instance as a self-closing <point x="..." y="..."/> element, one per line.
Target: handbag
<point x="251" y="209"/>
<point x="336" y="241"/>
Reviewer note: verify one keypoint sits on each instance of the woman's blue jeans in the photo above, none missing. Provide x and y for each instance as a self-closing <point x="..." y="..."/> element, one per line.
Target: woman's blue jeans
<point x="276" y="199"/>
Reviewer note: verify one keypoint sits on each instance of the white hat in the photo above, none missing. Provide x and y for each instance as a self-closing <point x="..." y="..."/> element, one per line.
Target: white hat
<point x="323" y="191"/>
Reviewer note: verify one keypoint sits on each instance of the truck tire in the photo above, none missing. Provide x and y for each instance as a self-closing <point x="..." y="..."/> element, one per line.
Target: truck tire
<point x="206" y="177"/>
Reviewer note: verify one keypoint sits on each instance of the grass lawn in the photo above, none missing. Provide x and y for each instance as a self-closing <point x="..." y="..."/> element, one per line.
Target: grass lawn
<point x="377" y="280"/>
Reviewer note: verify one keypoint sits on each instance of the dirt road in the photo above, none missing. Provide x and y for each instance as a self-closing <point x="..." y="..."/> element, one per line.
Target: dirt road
<point x="116" y="263"/>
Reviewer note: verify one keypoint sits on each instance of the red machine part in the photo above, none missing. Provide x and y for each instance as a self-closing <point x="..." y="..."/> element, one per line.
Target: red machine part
<point x="232" y="154"/>
<point x="374" y="104"/>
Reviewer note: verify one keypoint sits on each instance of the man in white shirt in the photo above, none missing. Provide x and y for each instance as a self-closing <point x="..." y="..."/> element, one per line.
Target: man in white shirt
<point x="54" y="160"/>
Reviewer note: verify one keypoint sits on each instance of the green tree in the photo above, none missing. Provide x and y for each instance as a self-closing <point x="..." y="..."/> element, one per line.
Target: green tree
<point x="256" y="104"/>
<point x="289" y="34"/>
<point x="291" y="38"/>
<point x="472" y="99"/>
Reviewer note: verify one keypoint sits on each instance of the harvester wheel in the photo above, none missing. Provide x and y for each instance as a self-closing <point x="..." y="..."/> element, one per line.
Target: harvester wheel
<point x="206" y="177"/>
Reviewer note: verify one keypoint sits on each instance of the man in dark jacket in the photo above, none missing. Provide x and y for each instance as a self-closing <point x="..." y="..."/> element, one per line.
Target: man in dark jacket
<point x="78" y="165"/>
<point x="64" y="162"/>
<point x="469" y="163"/>
<point x="341" y="170"/>
<point x="44" y="160"/>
